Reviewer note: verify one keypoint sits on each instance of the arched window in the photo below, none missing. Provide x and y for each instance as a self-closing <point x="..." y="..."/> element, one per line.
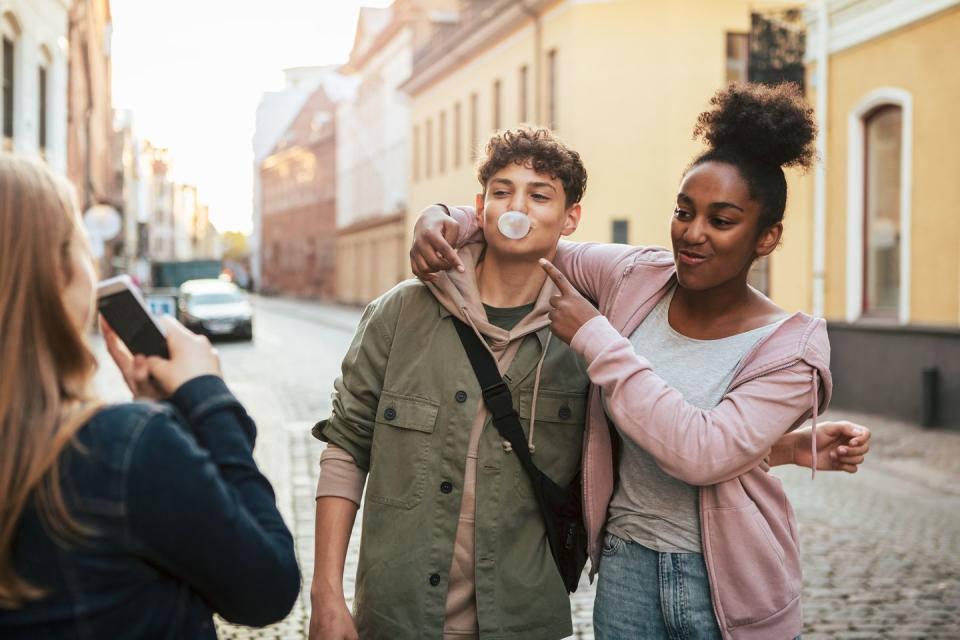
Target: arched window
<point x="883" y="139"/>
<point x="879" y="188"/>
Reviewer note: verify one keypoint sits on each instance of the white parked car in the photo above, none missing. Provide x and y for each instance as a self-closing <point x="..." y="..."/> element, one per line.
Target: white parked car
<point x="215" y="308"/>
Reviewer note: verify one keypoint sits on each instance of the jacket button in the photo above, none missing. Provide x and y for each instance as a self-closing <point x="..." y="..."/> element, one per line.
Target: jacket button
<point x="565" y="413"/>
<point x="446" y="487"/>
<point x="434" y="579"/>
<point x="390" y="413"/>
<point x="461" y="396"/>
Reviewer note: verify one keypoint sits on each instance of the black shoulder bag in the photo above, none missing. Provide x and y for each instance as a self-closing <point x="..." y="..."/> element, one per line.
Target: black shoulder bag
<point x="561" y="507"/>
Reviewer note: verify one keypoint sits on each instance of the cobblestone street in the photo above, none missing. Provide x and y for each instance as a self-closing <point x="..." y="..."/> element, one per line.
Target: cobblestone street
<point x="881" y="549"/>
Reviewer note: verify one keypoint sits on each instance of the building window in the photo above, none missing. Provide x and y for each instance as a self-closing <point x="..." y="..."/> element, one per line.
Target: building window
<point x="738" y="56"/>
<point x="474" y="127"/>
<point x="776" y="44"/>
<point x="883" y="131"/>
<point x="42" y="107"/>
<point x="552" y="89"/>
<point x="8" y="87"/>
<point x="496" y="105"/>
<point x="522" y="92"/>
<point x="428" y="146"/>
<point x="416" y="154"/>
<point x="457" y="142"/>
<point x="442" y="138"/>
<point x="621" y="232"/>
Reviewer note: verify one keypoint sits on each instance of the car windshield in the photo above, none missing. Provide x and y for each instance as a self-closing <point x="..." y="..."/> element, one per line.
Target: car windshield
<point x="215" y="298"/>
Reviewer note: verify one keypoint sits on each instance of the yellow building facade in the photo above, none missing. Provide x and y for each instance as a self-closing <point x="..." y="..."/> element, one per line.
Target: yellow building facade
<point x="885" y="241"/>
<point x="621" y="81"/>
<point x="892" y="248"/>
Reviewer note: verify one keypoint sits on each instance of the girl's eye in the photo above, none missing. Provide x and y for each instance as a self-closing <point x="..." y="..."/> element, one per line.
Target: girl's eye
<point x="680" y="214"/>
<point x="720" y="222"/>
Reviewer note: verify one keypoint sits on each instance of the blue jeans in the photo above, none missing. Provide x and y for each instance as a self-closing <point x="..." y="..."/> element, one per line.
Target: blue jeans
<point x="645" y="594"/>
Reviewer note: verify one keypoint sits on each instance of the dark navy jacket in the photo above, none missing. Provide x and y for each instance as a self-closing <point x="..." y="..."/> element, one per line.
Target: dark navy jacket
<point x="185" y="525"/>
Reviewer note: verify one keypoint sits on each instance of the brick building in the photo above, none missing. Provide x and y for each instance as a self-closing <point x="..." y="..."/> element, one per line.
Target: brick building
<point x="298" y="191"/>
<point x="90" y="108"/>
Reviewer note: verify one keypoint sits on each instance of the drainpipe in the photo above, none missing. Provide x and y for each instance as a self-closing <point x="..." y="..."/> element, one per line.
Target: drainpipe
<point x="537" y="58"/>
<point x="820" y="176"/>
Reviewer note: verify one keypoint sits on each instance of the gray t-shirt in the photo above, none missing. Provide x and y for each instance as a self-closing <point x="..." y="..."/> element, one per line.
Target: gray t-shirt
<point x="650" y="507"/>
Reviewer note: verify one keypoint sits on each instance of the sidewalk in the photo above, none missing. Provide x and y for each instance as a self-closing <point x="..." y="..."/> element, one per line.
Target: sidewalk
<point x="328" y="314"/>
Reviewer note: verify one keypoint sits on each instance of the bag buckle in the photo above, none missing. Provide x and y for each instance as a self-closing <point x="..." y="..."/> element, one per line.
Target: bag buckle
<point x="494" y="390"/>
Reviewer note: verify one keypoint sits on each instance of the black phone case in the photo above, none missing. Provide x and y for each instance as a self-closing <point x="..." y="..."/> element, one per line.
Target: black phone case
<point x="127" y="317"/>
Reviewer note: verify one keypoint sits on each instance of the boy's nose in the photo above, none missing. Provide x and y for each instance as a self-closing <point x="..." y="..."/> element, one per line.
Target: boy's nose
<point x="518" y="203"/>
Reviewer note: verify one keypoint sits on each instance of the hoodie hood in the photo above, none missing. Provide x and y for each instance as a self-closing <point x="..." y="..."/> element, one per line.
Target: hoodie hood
<point x="459" y="294"/>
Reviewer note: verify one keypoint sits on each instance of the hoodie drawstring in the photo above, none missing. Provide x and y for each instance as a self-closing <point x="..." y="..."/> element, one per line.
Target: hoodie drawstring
<point x="536" y="392"/>
<point x="813" y="430"/>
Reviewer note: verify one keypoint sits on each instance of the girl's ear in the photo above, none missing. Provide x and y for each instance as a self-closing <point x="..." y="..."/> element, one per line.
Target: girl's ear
<point x="769" y="240"/>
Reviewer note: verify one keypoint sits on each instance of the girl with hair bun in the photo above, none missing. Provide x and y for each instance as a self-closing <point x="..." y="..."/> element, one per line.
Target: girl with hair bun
<point x="704" y="381"/>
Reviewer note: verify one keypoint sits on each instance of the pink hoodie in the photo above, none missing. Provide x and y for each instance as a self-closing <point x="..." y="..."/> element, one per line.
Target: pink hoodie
<point x="748" y="528"/>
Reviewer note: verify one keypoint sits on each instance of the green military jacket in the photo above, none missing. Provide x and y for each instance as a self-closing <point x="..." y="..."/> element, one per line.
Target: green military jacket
<point x="403" y="408"/>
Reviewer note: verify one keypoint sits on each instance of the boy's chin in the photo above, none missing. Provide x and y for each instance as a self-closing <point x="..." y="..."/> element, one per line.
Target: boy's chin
<point x="519" y="250"/>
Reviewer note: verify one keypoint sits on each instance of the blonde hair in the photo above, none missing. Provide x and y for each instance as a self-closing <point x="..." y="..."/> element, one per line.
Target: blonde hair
<point x="47" y="366"/>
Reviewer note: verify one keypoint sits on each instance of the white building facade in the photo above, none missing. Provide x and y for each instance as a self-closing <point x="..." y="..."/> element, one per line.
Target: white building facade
<point x="33" y="60"/>
<point x="373" y="148"/>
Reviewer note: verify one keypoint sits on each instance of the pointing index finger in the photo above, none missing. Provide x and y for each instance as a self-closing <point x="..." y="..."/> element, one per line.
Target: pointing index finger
<point x="558" y="278"/>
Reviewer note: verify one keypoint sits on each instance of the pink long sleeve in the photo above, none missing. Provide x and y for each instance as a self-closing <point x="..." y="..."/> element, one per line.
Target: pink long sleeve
<point x="698" y="446"/>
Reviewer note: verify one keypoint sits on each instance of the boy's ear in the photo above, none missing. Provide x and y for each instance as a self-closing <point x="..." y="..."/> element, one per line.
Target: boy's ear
<point x="478" y="209"/>
<point x="571" y="220"/>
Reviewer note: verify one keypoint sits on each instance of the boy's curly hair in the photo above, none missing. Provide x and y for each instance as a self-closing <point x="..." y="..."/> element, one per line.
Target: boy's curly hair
<point x="541" y="150"/>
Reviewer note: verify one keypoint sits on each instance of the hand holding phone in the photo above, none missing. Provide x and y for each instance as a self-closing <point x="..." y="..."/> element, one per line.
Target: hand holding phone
<point x="120" y="303"/>
<point x="154" y="377"/>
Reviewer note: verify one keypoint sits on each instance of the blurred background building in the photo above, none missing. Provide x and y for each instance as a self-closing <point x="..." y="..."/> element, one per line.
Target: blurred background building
<point x="34" y="64"/>
<point x="57" y="106"/>
<point x="90" y="106"/>
<point x="274" y="115"/>
<point x="298" y="187"/>
<point x="373" y="125"/>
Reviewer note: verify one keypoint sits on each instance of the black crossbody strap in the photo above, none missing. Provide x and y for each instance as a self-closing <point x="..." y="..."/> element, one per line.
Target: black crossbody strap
<point x="496" y="395"/>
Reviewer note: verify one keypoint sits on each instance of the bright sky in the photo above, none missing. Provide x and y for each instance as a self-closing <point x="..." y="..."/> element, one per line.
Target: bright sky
<point x="192" y="72"/>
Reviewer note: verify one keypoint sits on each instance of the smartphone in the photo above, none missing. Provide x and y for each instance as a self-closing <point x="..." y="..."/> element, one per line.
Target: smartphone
<point x="120" y="303"/>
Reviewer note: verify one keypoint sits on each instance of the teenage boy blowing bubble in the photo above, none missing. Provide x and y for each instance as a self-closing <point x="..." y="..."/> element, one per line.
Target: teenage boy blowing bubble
<point x="453" y="542"/>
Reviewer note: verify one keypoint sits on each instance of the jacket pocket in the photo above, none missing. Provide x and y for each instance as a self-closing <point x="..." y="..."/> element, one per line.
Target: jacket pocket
<point x="747" y="565"/>
<point x="557" y="437"/>
<point x="400" y="451"/>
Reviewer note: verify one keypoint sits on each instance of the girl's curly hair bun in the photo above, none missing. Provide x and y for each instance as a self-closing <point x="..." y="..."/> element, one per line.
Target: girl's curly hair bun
<point x="774" y="124"/>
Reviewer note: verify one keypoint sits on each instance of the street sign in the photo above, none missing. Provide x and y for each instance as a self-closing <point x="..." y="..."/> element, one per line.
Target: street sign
<point x="102" y="221"/>
<point x="162" y="305"/>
